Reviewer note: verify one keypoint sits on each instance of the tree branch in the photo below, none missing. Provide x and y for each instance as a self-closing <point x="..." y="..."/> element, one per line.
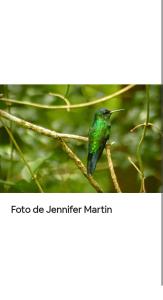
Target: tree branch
<point x="111" y="167"/>
<point x="80" y="105"/>
<point x="80" y="166"/>
<point x="39" y="129"/>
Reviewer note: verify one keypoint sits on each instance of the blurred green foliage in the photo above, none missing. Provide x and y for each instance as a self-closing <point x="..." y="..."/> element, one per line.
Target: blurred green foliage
<point x="55" y="171"/>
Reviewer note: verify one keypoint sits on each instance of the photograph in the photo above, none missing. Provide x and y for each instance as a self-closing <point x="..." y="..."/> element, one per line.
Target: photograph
<point x="80" y="138"/>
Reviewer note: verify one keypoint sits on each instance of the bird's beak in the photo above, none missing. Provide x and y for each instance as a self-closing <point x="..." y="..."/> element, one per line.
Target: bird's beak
<point x="116" y="110"/>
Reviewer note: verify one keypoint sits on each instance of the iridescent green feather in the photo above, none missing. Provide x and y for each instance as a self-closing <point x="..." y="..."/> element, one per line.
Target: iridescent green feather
<point x="98" y="136"/>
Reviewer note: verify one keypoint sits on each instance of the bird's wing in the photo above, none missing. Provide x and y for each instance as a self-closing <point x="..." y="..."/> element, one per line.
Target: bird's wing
<point x="98" y="138"/>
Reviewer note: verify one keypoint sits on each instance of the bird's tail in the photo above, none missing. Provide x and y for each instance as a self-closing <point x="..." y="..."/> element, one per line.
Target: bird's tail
<point x="91" y="162"/>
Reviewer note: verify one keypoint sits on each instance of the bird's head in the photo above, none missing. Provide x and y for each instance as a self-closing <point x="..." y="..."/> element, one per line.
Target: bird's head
<point x="105" y="113"/>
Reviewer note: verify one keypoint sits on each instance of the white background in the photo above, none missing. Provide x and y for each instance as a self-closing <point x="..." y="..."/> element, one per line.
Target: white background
<point x="110" y="256"/>
<point x="80" y="256"/>
<point x="80" y="41"/>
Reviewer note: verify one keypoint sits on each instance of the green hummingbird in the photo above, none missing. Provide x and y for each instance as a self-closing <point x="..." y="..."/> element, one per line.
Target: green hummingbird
<point x="99" y="133"/>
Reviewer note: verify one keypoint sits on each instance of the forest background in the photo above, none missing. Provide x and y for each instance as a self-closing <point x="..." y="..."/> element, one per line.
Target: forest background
<point x="34" y="162"/>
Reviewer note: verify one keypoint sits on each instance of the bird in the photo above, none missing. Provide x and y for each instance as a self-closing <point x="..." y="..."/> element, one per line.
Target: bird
<point x="99" y="134"/>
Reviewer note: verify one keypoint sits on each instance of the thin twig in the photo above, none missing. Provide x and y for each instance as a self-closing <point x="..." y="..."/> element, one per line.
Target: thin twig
<point x="111" y="167"/>
<point x="59" y="137"/>
<point x="34" y="177"/>
<point x="67" y="90"/>
<point x="139" y="125"/>
<point x="139" y="147"/>
<point x="80" y="105"/>
<point x="135" y="166"/>
<point x="62" y="97"/>
<point x="149" y="125"/>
